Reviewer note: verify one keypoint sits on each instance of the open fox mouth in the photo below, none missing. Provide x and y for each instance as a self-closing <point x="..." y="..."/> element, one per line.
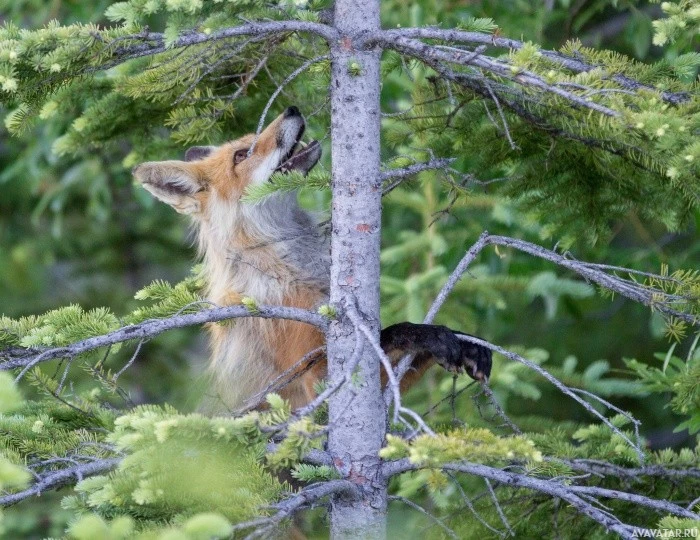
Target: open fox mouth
<point x="300" y="157"/>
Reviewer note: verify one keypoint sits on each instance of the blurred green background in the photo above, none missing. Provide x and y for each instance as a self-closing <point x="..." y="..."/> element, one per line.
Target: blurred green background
<point x="77" y="230"/>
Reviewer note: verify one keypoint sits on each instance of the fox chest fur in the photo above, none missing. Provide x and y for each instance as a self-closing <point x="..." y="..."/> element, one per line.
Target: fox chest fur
<point x="278" y="256"/>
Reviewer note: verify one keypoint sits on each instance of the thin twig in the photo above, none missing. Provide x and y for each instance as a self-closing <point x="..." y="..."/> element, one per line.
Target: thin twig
<point x="468" y="504"/>
<point x="506" y="131"/>
<point x="393" y="384"/>
<point x="293" y="75"/>
<point x="309" y="360"/>
<point x="636" y="423"/>
<point x="399" y="175"/>
<point x="423" y="511"/>
<point x="499" y="410"/>
<point x="504" y="520"/>
<point x="129" y="363"/>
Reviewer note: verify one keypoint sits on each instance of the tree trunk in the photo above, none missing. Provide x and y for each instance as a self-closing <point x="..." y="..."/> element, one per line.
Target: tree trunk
<point x="356" y="412"/>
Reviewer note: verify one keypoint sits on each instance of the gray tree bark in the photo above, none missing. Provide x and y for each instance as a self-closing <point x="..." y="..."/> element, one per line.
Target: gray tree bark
<point x="356" y="412"/>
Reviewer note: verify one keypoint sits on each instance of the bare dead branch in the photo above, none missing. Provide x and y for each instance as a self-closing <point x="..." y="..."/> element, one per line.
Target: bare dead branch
<point x="399" y="175"/>
<point x="293" y="75"/>
<point x="455" y="276"/>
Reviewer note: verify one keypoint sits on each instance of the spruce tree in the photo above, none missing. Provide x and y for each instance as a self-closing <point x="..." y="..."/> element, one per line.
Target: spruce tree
<point x="566" y="142"/>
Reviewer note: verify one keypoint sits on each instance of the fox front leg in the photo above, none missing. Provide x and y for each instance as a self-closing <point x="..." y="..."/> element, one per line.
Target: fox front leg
<point x="434" y="343"/>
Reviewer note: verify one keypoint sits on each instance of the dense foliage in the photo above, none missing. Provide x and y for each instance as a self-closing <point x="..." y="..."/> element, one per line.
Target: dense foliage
<point x="620" y="189"/>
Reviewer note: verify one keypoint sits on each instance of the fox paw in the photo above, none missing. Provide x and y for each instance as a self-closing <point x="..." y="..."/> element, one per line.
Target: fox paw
<point x="442" y="344"/>
<point x="459" y="356"/>
<point x="476" y="359"/>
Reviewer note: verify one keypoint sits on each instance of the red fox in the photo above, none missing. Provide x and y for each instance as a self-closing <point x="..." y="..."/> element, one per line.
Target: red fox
<point x="274" y="252"/>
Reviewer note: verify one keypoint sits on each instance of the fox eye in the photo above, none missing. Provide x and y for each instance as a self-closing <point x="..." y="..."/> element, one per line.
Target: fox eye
<point x="240" y="155"/>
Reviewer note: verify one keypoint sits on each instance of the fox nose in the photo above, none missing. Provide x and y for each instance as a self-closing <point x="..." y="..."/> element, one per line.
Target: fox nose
<point x="291" y="111"/>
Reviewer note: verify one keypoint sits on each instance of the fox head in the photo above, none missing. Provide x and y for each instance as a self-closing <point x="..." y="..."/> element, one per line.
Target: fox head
<point x="224" y="172"/>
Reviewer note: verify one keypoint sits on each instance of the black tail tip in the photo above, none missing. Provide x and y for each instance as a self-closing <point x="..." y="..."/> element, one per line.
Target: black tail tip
<point x="291" y="111"/>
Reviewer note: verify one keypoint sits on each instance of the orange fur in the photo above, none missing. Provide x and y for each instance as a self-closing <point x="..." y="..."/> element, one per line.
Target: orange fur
<point x="271" y="252"/>
<point x="243" y="258"/>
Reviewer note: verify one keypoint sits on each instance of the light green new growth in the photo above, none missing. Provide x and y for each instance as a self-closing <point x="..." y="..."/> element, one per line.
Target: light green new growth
<point x="682" y="21"/>
<point x="524" y="159"/>
<point x="478" y="445"/>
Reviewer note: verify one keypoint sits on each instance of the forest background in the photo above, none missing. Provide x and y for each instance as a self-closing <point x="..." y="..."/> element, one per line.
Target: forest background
<point x="75" y="229"/>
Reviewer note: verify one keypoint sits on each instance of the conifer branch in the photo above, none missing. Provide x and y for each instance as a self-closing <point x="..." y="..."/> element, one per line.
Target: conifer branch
<point x="399" y="175"/>
<point x="649" y="296"/>
<point x="306" y="498"/>
<point x="16" y="357"/>
<point x="60" y="478"/>
<point x="571" y="392"/>
<point x="300" y="367"/>
<point x="523" y="77"/>
<point x="571" y="493"/>
<point x="314" y="456"/>
<point x="574" y="64"/>
<point x="652" y="297"/>
<point x="478" y="83"/>
<point x="597" y="467"/>
<point x="155" y="43"/>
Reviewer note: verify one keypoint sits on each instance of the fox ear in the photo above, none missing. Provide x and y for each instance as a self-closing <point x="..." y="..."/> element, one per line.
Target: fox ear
<point x="174" y="182"/>
<point x="198" y="152"/>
